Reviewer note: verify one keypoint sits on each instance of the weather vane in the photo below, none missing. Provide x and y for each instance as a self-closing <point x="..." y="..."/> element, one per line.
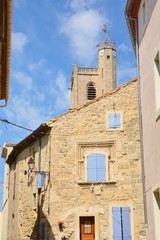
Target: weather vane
<point x="106" y="42"/>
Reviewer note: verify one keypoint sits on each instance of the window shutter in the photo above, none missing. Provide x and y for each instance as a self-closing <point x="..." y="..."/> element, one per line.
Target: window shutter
<point x="96" y="167"/>
<point x="101" y="167"/>
<point x="91" y="167"/>
<point x="91" y="91"/>
<point x="111" y="120"/>
<point x="126" y="223"/>
<point x="114" y="120"/>
<point x="40" y="180"/>
<point x="117" y="120"/>
<point x="117" y="231"/>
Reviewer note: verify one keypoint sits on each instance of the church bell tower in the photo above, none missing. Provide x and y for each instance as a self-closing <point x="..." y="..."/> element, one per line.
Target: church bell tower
<point x="89" y="83"/>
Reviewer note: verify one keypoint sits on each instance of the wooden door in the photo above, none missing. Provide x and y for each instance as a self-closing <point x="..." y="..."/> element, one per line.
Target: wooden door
<point x="87" y="228"/>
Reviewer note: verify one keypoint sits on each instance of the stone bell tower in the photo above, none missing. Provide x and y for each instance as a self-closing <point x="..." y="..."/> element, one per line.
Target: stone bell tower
<point x="89" y="83"/>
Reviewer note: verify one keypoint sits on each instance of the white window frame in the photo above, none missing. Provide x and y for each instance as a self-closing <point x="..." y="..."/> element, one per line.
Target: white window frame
<point x="107" y="121"/>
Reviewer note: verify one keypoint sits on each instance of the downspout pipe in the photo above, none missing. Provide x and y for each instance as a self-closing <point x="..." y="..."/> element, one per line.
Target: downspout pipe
<point x="140" y="121"/>
<point x="39" y="191"/>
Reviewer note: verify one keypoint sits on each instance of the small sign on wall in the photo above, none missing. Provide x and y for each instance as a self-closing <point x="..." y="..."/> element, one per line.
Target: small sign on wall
<point x="40" y="180"/>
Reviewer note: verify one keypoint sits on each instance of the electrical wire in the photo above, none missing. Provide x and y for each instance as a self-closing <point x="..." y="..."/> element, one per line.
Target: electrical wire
<point x="14" y="124"/>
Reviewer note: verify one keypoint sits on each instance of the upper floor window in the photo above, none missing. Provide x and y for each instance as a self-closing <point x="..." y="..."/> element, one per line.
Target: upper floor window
<point x="91" y="91"/>
<point x="144" y="13"/>
<point x="96" y="167"/>
<point x="157" y="82"/>
<point x="114" y="120"/>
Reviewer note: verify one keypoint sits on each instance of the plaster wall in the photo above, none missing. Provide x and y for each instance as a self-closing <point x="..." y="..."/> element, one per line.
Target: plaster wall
<point x="148" y="49"/>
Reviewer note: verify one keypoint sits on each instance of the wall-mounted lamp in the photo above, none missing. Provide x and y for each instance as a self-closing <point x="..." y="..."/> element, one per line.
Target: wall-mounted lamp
<point x="31" y="168"/>
<point x="31" y="164"/>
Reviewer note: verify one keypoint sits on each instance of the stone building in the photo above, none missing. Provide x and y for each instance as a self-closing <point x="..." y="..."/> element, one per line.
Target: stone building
<point x="88" y="83"/>
<point x="85" y="180"/>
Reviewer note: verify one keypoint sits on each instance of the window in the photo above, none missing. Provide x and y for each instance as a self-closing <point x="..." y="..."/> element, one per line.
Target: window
<point x="114" y="120"/>
<point x="156" y="202"/>
<point x="96" y="167"/>
<point x="144" y="13"/>
<point x="157" y="82"/>
<point x="94" y="158"/>
<point x="91" y="91"/>
<point x="121" y="223"/>
<point x="87" y="227"/>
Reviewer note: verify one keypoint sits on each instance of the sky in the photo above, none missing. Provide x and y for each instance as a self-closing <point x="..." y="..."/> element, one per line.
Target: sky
<point x="48" y="36"/>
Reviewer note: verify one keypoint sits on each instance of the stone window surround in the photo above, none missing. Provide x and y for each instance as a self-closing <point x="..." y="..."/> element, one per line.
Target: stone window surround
<point x="108" y="129"/>
<point x="121" y="204"/>
<point x="91" y="147"/>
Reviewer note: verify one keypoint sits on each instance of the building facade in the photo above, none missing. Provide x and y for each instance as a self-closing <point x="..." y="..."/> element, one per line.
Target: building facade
<point x="91" y="187"/>
<point x="143" y="22"/>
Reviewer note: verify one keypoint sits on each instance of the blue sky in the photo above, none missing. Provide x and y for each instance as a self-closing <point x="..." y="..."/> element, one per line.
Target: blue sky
<point x="48" y="36"/>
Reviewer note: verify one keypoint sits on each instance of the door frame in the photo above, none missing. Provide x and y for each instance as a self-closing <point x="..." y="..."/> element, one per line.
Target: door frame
<point x="86" y="214"/>
<point x="81" y="225"/>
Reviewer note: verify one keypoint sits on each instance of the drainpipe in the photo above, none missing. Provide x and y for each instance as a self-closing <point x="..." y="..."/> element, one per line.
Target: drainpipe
<point x="39" y="191"/>
<point x="140" y="124"/>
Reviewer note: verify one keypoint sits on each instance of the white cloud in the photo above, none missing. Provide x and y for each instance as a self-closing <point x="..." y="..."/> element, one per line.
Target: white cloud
<point x="62" y="100"/>
<point x="36" y="65"/>
<point x="124" y="48"/>
<point x="25" y="111"/>
<point x="83" y="29"/>
<point x="30" y="107"/>
<point x="77" y="5"/>
<point x="19" y="41"/>
<point x="23" y="79"/>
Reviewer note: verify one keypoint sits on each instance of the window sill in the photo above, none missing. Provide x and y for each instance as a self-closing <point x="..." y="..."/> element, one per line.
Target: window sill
<point x="97" y="183"/>
<point x="114" y="130"/>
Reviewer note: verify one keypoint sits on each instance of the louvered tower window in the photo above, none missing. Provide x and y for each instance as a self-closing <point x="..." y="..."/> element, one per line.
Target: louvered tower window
<point x="91" y="92"/>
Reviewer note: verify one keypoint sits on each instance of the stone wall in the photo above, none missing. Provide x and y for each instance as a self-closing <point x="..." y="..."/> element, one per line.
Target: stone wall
<point x="67" y="195"/>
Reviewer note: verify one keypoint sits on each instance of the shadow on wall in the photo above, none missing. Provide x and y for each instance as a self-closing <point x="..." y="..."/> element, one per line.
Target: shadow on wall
<point x="42" y="229"/>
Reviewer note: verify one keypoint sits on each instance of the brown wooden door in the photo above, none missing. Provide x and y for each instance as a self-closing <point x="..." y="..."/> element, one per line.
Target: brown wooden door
<point x="87" y="228"/>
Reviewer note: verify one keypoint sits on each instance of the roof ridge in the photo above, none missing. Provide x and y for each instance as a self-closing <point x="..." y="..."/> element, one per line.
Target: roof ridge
<point x="90" y="102"/>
